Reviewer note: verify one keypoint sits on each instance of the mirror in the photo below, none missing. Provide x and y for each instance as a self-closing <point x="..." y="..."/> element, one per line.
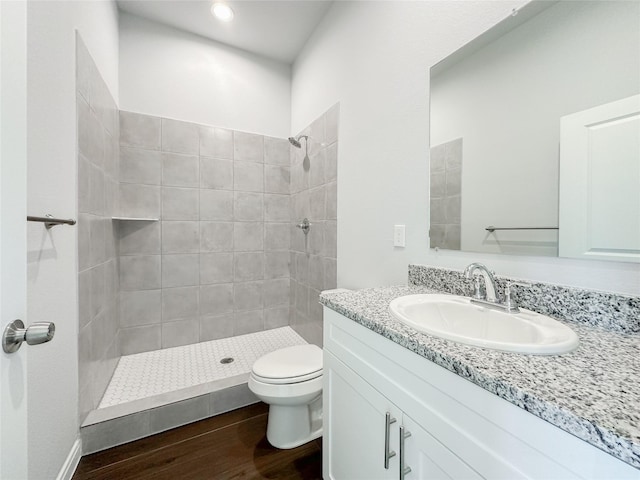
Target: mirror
<point x="531" y="153"/>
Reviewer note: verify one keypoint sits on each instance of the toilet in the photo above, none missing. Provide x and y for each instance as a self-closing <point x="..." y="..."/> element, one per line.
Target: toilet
<point x="289" y="380"/>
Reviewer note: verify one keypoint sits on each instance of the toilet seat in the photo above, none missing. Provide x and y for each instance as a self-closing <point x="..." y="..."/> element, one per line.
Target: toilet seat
<point x="295" y="364"/>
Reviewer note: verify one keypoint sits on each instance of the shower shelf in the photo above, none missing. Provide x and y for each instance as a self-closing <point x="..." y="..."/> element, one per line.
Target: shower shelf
<point x="136" y="219"/>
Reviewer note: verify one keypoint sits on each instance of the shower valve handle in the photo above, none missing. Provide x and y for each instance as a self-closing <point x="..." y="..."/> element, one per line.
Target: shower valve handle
<point x="305" y="226"/>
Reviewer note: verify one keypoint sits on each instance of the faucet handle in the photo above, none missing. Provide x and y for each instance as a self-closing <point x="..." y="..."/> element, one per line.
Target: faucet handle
<point x="509" y="304"/>
<point x="476" y="283"/>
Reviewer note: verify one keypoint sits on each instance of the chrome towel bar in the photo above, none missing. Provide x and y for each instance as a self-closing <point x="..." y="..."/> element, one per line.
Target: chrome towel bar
<point x="49" y="221"/>
<point x="493" y="229"/>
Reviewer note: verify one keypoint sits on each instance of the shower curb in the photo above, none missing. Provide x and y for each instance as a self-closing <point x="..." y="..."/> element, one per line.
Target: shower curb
<point x="117" y="431"/>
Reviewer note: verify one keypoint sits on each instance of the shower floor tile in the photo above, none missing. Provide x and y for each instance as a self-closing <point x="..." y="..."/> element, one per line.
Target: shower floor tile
<point x="148" y="374"/>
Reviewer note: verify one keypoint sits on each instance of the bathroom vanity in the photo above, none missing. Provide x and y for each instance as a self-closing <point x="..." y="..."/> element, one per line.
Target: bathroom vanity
<point x="401" y="404"/>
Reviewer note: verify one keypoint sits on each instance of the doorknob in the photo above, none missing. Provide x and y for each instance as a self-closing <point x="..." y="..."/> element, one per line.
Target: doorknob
<point x="15" y="334"/>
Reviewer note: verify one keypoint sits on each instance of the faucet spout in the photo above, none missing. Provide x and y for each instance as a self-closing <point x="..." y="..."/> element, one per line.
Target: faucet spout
<point x="489" y="281"/>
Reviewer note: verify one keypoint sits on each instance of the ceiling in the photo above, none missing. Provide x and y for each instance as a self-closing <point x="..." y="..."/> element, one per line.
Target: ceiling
<point x="274" y="29"/>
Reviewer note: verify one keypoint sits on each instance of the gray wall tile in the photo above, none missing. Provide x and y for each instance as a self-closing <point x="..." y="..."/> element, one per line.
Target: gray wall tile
<point x="180" y="170"/>
<point x="248" y="266"/>
<point x="180" y="270"/>
<point x="181" y="302"/>
<point x="84" y="241"/>
<point x="248" y="295"/>
<point x="175" y="334"/>
<point x="180" y="137"/>
<point x="331" y="205"/>
<point x="330" y="239"/>
<point x="276" y="264"/>
<point x="98" y="192"/>
<point x="139" y="201"/>
<point x="216" y="236"/>
<point x="317" y="169"/>
<point x="216" y="173"/>
<point x="85" y="311"/>
<point x="216" y="142"/>
<point x="115" y="432"/>
<point x="330" y="273"/>
<point x="97" y="290"/>
<point x="216" y="205"/>
<point x="248" y="206"/>
<point x="276" y="208"/>
<point x="139" y="339"/>
<point x="213" y="327"/>
<point x="316" y="272"/>
<point x="248" y="147"/>
<point x="231" y="398"/>
<point x="140" y="272"/>
<point x="276" y="151"/>
<point x="216" y="268"/>
<point x="139" y="165"/>
<point x="180" y="203"/>
<point x="317" y="203"/>
<point x="276" y="317"/>
<point x="277" y="236"/>
<point x="180" y="237"/>
<point x="248" y="236"/>
<point x="179" y="413"/>
<point x="139" y="238"/>
<point x="97" y="247"/>
<point x="138" y="130"/>
<point x="84" y="178"/>
<point x="216" y="299"/>
<point x="276" y="179"/>
<point x="140" y="307"/>
<point x="248" y="176"/>
<point x="249" y="322"/>
<point x="276" y="292"/>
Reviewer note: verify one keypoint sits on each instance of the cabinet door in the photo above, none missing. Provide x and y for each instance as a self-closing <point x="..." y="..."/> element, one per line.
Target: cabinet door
<point x="429" y="459"/>
<point x="354" y="426"/>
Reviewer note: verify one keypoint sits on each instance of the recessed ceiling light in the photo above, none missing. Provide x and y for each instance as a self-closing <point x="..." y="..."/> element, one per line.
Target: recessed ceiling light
<point x="222" y="12"/>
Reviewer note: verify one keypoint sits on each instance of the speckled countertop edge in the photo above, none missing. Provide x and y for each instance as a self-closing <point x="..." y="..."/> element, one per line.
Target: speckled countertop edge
<point x="592" y="392"/>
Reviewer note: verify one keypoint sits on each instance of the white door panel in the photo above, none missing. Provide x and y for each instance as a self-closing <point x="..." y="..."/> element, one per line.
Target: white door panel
<point x="600" y="182"/>
<point x="13" y="154"/>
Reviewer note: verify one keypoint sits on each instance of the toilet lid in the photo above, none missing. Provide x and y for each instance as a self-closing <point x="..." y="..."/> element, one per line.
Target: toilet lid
<point x="290" y="362"/>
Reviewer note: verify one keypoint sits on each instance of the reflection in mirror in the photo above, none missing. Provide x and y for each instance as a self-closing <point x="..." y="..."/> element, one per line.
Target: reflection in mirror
<point x="499" y="108"/>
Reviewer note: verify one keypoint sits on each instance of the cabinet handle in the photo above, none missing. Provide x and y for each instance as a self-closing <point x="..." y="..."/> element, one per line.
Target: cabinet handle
<point x="388" y="420"/>
<point x="403" y="435"/>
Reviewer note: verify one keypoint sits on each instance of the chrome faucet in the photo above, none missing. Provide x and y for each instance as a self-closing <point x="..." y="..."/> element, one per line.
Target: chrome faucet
<point x="490" y="300"/>
<point x="489" y="281"/>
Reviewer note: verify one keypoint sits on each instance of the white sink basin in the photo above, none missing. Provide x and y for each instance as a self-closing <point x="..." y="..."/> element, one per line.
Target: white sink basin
<point x="456" y="318"/>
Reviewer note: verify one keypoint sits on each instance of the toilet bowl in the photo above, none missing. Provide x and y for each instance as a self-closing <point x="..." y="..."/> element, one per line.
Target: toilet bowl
<point x="289" y="380"/>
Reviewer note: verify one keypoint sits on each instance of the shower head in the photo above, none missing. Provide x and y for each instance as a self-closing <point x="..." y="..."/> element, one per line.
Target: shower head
<point x="295" y="141"/>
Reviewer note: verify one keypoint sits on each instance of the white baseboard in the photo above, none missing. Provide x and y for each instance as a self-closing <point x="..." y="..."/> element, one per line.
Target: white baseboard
<point x="71" y="463"/>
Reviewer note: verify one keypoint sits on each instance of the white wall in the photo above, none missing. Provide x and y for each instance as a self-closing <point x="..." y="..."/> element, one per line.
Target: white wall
<point x="509" y="115"/>
<point x="169" y="73"/>
<point x="51" y="188"/>
<point x="374" y="58"/>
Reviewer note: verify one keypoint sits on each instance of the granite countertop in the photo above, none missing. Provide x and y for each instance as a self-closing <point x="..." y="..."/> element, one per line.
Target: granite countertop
<point x="592" y="392"/>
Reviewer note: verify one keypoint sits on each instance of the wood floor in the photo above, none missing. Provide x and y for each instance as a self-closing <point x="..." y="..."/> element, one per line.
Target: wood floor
<point x="229" y="446"/>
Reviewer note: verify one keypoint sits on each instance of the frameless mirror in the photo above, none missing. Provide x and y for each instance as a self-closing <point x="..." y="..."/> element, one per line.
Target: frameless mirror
<point x="535" y="135"/>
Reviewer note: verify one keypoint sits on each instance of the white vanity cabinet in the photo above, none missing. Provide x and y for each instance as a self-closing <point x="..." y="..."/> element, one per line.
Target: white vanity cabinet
<point x="457" y="429"/>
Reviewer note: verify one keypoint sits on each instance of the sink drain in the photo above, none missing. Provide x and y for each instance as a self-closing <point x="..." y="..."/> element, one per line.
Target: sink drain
<point x="227" y="360"/>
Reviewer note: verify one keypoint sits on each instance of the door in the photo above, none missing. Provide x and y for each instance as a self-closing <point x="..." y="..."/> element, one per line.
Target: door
<point x="13" y="155"/>
<point x="355" y="426"/>
<point x="428" y="458"/>
<point x="600" y="182"/>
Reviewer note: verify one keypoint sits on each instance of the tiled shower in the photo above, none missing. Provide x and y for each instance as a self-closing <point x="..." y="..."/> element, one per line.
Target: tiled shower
<point x="204" y="244"/>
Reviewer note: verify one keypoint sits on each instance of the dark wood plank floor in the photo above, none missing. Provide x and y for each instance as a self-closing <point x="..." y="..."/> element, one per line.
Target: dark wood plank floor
<point x="229" y="446"/>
